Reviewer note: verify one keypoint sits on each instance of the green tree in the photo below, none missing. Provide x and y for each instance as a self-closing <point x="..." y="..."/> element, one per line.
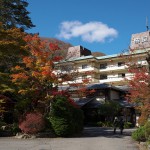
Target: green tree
<point x="65" y="117"/>
<point x="12" y="48"/>
<point x="13" y="13"/>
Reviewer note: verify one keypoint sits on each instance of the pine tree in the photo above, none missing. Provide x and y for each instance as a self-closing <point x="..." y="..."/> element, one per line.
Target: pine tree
<point x="13" y="13"/>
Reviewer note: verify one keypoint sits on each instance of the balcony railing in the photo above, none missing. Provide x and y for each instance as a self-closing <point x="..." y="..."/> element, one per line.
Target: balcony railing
<point x="113" y="67"/>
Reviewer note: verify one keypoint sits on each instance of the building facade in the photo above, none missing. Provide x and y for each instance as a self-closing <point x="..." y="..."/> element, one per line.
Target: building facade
<point x="110" y="69"/>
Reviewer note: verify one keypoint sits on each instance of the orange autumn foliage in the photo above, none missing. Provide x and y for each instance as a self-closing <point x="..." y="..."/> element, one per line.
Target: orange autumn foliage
<point x="36" y="77"/>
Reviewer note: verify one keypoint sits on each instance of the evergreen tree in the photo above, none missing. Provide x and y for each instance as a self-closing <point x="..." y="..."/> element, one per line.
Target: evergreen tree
<point x="12" y="48"/>
<point x="13" y="13"/>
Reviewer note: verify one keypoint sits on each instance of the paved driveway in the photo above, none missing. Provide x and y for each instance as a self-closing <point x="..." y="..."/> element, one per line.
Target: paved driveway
<point x="93" y="138"/>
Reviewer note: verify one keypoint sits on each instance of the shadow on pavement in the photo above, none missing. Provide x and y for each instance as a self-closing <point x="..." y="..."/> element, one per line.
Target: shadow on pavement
<point x="105" y="132"/>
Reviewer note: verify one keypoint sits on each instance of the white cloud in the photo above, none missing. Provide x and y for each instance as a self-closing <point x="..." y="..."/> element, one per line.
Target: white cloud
<point x="89" y="32"/>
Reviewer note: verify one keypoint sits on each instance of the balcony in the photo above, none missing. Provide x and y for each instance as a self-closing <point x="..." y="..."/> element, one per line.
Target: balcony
<point x="113" y="68"/>
<point x="89" y="68"/>
<point x="116" y="78"/>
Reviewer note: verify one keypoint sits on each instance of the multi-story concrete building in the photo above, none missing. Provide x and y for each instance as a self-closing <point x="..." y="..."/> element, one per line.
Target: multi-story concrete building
<point x="111" y="69"/>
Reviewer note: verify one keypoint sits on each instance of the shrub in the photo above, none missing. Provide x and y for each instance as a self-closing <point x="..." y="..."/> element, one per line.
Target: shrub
<point x="142" y="119"/>
<point x="147" y="130"/>
<point x="100" y="124"/>
<point x="139" y="134"/>
<point x="108" y="124"/>
<point x="32" y="122"/>
<point x="148" y="141"/>
<point x="65" y="118"/>
<point x="15" y="128"/>
<point x="127" y="125"/>
<point x="2" y="123"/>
<point x="77" y="118"/>
<point x="61" y="126"/>
<point x="105" y="124"/>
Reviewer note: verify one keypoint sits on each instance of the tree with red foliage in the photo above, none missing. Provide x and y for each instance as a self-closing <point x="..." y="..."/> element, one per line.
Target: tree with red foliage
<point x="36" y="78"/>
<point x="139" y="93"/>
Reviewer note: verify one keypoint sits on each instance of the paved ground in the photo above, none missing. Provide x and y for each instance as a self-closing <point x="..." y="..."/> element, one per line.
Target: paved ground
<point x="93" y="138"/>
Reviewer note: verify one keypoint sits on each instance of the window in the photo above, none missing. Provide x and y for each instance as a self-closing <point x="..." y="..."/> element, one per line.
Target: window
<point x="66" y="67"/>
<point x="103" y="66"/>
<point x="121" y="64"/>
<point x="103" y="76"/>
<point x="144" y="39"/>
<point x="137" y="40"/>
<point x="121" y="75"/>
<point x="84" y="66"/>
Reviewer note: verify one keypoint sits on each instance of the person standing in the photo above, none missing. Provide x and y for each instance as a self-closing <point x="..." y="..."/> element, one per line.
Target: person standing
<point x="121" y="125"/>
<point x="115" y="124"/>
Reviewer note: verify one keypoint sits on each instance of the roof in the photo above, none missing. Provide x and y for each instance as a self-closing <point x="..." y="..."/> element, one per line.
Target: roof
<point x="103" y="86"/>
<point x="108" y="56"/>
<point x="83" y="101"/>
<point x="96" y="86"/>
<point x="124" y="87"/>
<point x="92" y="103"/>
<point x="81" y="58"/>
<point x="88" y="102"/>
<point x="67" y="88"/>
<point x="140" y="51"/>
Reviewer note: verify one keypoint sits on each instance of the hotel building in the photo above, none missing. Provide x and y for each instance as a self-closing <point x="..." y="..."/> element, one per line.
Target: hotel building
<point x="110" y="69"/>
<point x="107" y="75"/>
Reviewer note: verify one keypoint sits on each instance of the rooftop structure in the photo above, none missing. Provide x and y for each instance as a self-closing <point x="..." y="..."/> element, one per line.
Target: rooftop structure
<point x="77" y="51"/>
<point x="140" y="40"/>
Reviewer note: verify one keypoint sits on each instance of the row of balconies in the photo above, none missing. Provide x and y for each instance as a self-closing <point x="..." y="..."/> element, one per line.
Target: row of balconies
<point x="104" y="68"/>
<point x="109" y="67"/>
<point x="115" y="72"/>
<point x="110" y="78"/>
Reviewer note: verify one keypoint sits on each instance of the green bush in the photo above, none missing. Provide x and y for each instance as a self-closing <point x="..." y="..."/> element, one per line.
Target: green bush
<point x="78" y="118"/>
<point x="15" y="128"/>
<point x="65" y="118"/>
<point x="61" y="126"/>
<point x="147" y="130"/>
<point x="105" y="124"/>
<point x="100" y="124"/>
<point x="139" y="134"/>
<point x="148" y="141"/>
<point x="127" y="125"/>
<point x="108" y="124"/>
<point x="2" y="123"/>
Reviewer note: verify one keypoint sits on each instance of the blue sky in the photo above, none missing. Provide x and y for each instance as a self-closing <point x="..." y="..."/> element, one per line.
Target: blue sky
<point x="99" y="25"/>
